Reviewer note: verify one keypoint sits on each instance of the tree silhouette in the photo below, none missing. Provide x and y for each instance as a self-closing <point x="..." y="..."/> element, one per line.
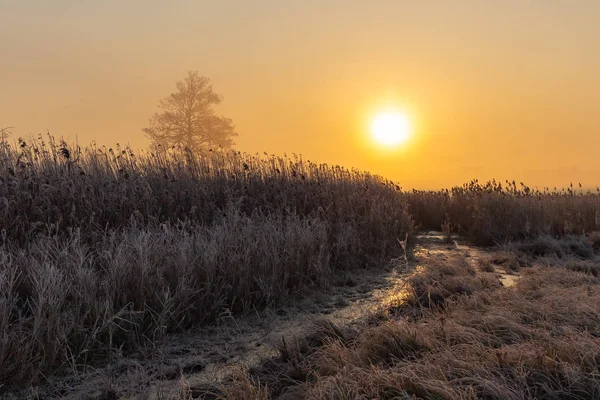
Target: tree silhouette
<point x="188" y="119"/>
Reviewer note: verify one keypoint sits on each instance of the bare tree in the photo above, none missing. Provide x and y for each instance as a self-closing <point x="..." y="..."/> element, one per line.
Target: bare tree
<point x="188" y="118"/>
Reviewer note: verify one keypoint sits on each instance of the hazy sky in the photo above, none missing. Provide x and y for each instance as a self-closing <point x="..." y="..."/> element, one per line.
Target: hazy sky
<point x="506" y="89"/>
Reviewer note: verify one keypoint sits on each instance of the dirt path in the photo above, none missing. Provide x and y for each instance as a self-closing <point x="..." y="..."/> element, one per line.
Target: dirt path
<point x="205" y="356"/>
<point x="244" y="342"/>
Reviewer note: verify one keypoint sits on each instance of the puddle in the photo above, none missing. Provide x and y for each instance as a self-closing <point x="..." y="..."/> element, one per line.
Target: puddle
<point x="508" y="280"/>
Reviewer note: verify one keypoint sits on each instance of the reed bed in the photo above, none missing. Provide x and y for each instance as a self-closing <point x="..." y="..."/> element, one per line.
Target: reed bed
<point x="105" y="250"/>
<point x="493" y="213"/>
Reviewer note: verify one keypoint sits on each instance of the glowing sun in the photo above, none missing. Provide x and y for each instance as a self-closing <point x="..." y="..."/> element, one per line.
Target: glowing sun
<point x="390" y="128"/>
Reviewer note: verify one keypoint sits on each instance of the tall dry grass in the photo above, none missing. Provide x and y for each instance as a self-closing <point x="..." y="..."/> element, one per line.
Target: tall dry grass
<point x="50" y="188"/>
<point x="493" y="213"/>
<point x="104" y="250"/>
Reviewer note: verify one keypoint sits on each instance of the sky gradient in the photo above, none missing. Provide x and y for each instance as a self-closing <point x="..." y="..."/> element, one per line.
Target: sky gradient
<point x="495" y="89"/>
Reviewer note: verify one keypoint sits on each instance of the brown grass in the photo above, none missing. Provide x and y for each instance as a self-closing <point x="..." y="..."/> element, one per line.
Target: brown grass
<point x="538" y="340"/>
<point x="493" y="213"/>
<point x="103" y="251"/>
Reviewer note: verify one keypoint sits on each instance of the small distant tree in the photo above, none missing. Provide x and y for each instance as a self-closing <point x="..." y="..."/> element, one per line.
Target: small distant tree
<point x="189" y="120"/>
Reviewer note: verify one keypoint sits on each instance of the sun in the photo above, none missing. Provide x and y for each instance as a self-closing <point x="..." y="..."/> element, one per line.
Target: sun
<point x="390" y="129"/>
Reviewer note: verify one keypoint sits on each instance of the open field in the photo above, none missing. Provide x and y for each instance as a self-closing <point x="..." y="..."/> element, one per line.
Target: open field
<point x="108" y="255"/>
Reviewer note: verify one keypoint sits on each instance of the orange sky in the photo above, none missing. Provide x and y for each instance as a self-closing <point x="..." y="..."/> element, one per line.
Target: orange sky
<point x="506" y="89"/>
